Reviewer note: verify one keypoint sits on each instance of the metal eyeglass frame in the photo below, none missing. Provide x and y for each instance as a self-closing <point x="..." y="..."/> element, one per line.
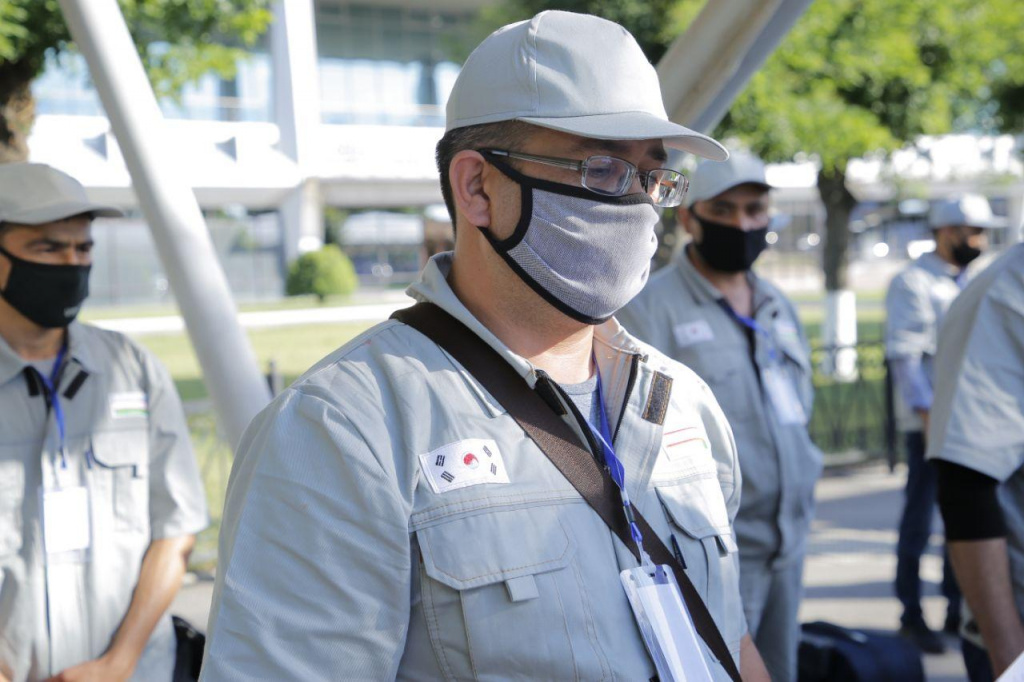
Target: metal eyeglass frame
<point x="582" y="166"/>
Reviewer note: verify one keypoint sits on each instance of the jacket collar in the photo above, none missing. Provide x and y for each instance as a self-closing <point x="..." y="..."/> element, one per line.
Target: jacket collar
<point x="12" y="364"/>
<point x="930" y="262"/>
<point x="432" y="287"/>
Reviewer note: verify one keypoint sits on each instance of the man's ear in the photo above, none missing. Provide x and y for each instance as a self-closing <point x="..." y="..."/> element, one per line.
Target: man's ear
<point x="466" y="176"/>
<point x="685" y="219"/>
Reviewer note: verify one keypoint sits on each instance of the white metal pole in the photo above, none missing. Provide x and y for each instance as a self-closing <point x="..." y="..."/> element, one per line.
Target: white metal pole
<point x="158" y="172"/>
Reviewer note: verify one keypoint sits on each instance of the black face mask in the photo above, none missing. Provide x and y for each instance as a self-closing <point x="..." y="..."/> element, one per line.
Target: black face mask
<point x="49" y="295"/>
<point x="963" y="253"/>
<point x="729" y="249"/>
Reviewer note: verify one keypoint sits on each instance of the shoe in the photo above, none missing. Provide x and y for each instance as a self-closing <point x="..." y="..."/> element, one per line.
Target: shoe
<point x="952" y="625"/>
<point x="923" y="637"/>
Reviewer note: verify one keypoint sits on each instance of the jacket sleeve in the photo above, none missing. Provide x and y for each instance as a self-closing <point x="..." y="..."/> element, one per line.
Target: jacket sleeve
<point x="909" y="321"/>
<point x="912" y="382"/>
<point x="315" y="571"/>
<point x="177" y="499"/>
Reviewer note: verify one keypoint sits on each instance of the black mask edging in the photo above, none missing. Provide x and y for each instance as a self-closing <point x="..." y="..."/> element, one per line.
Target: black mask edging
<point x="504" y="246"/>
<point x="547" y="296"/>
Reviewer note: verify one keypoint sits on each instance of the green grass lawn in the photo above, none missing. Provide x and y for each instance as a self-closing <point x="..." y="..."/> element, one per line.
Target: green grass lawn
<point x="294" y="349"/>
<point x="287" y="303"/>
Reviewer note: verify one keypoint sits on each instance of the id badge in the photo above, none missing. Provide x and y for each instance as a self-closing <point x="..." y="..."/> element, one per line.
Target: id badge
<point x="783" y="395"/>
<point x="67" y="532"/>
<point x="665" y="624"/>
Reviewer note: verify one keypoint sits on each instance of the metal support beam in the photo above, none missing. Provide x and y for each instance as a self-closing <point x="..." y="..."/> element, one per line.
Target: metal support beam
<point x="158" y="174"/>
<point x="297" y="114"/>
<point x="709" y="65"/>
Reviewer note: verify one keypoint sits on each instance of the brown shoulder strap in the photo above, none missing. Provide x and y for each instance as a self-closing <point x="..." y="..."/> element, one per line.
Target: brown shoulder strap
<point x="561" y="445"/>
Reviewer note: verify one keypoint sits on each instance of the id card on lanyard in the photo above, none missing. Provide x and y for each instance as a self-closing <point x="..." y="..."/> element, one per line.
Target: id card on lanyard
<point x="654" y="596"/>
<point x="781" y="391"/>
<point x="67" y="531"/>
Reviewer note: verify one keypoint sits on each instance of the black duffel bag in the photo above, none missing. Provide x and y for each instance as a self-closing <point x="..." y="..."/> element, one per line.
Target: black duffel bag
<point x="832" y="653"/>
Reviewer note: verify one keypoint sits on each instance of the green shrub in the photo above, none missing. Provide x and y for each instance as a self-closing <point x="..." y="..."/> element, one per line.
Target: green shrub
<point x="327" y="272"/>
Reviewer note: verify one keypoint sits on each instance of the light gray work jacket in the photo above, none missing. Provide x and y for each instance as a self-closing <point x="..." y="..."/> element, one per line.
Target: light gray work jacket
<point x="128" y="444"/>
<point x="682" y="314"/>
<point x="915" y="305"/>
<point x="348" y="551"/>
<point x="977" y="419"/>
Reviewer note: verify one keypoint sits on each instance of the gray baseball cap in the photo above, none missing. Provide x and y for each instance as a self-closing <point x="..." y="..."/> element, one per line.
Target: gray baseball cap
<point x="966" y="209"/>
<point x="575" y="73"/>
<point x="34" y="193"/>
<point x="711" y="178"/>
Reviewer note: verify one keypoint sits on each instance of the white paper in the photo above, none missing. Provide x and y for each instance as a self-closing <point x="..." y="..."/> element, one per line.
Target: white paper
<point x="666" y="627"/>
<point x="66" y="526"/>
<point x="783" y="396"/>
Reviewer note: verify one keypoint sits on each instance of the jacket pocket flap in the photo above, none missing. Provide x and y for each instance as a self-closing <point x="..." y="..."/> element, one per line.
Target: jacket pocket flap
<point x="697" y="506"/>
<point x="486" y="548"/>
<point x="120" y="448"/>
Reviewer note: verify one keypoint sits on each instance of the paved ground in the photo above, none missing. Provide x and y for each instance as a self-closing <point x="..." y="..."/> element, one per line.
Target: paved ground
<point x="849" y="571"/>
<point x="852" y="561"/>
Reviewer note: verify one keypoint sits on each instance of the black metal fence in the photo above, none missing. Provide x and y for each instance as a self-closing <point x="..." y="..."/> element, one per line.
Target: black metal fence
<point x="853" y="414"/>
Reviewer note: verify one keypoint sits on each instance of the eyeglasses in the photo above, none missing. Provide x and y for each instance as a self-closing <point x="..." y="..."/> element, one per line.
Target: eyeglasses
<point x="612" y="176"/>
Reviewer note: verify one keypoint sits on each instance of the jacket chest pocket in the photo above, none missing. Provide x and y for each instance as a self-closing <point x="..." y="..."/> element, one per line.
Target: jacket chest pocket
<point x="727" y="370"/>
<point x="700" y="525"/>
<point x="119" y="478"/>
<point x="12" y="496"/>
<point x="503" y="598"/>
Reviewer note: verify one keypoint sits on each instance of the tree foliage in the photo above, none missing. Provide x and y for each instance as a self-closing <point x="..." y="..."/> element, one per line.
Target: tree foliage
<point x="862" y="76"/>
<point x="178" y="40"/>
<point x="326" y="272"/>
<point x="853" y="78"/>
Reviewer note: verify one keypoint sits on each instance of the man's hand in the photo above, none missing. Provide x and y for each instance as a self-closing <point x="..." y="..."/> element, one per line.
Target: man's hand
<point x="104" y="669"/>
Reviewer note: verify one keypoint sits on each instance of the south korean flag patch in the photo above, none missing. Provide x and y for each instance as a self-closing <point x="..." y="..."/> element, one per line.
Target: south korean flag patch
<point x="464" y="463"/>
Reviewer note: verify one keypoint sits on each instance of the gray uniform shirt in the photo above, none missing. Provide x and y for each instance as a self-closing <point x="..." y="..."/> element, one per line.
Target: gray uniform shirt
<point x="977" y="419"/>
<point x="915" y="305"/>
<point x="348" y="551"/>
<point x="127" y="444"/>
<point x="681" y="314"/>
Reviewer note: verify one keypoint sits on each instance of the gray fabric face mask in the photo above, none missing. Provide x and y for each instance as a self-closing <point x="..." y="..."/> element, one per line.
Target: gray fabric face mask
<point x="585" y="254"/>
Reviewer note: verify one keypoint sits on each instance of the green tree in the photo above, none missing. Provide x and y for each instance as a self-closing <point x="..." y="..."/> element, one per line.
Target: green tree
<point x="323" y="273"/>
<point x="178" y="40"/>
<point x="857" y="77"/>
<point x="853" y="77"/>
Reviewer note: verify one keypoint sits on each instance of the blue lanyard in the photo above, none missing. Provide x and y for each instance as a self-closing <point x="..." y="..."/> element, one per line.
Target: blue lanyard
<point x="615" y="468"/>
<point x="50" y="386"/>
<point x="754" y="326"/>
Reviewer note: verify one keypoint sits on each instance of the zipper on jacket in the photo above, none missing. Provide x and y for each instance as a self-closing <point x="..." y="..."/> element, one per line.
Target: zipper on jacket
<point x="634" y="371"/>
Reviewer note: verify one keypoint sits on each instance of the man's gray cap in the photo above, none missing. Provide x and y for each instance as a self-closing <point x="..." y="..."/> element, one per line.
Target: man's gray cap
<point x="972" y="210"/>
<point x="711" y="178"/>
<point x="575" y="73"/>
<point x="34" y="193"/>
